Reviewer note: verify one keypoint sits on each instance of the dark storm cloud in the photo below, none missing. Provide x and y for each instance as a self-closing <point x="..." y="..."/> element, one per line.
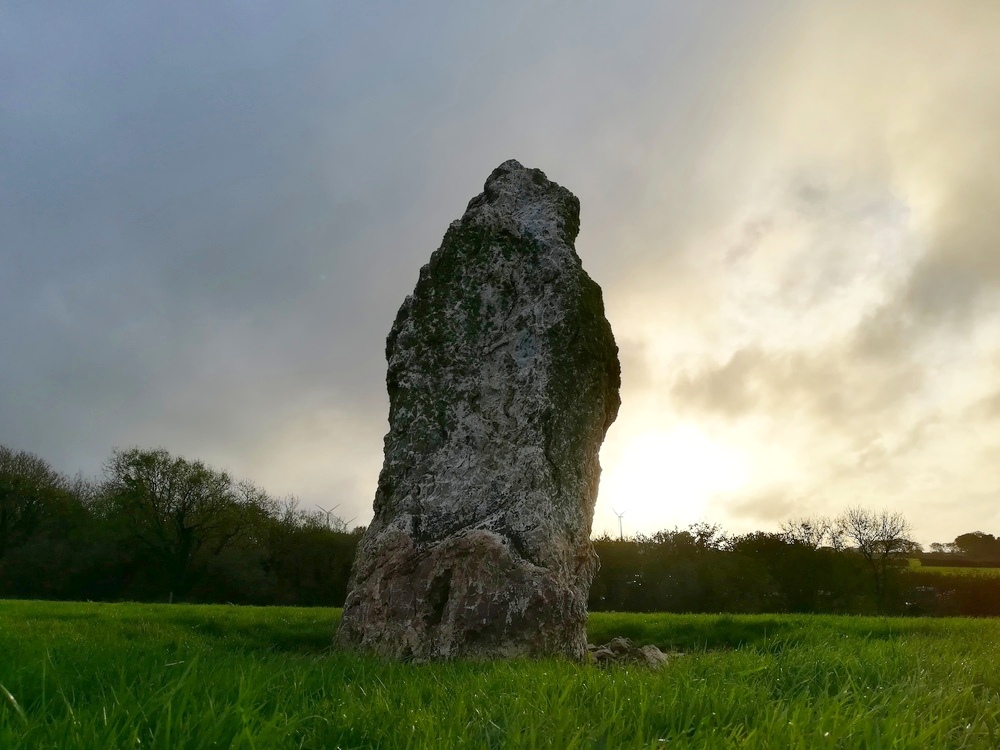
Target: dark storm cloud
<point x="184" y="208"/>
<point x="211" y="213"/>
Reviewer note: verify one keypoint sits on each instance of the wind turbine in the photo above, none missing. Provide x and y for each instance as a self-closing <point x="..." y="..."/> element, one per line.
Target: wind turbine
<point x="620" y="534"/>
<point x="328" y="512"/>
<point x="342" y="525"/>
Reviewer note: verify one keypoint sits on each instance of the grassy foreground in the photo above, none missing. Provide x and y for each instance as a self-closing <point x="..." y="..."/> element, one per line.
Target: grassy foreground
<point x="157" y="676"/>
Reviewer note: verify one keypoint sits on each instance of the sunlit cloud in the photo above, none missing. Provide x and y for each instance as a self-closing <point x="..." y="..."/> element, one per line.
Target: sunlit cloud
<point x="823" y="300"/>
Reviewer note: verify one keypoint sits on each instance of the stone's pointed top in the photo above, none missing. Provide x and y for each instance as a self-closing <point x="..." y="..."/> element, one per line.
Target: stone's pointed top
<point x="527" y="204"/>
<point x="508" y="166"/>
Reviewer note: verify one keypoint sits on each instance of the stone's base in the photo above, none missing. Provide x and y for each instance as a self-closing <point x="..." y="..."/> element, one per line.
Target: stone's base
<point x="470" y="596"/>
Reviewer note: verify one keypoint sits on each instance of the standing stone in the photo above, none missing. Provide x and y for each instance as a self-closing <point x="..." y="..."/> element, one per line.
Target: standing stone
<point x="503" y="380"/>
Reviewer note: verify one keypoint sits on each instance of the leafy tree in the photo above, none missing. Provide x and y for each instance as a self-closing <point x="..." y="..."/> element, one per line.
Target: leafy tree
<point x="618" y="575"/>
<point x="310" y="554"/>
<point x="42" y="513"/>
<point x="181" y="513"/>
<point x="809" y="577"/>
<point x="33" y="496"/>
<point x="978" y="545"/>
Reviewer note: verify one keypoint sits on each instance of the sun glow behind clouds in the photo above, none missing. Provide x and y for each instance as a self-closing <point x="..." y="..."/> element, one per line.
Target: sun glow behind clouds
<point x="665" y="478"/>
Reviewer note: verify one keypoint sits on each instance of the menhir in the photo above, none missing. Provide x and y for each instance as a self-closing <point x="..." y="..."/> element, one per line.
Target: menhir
<point x="503" y="380"/>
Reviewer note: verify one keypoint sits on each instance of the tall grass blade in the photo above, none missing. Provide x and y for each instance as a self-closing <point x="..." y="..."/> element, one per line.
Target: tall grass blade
<point x="14" y="704"/>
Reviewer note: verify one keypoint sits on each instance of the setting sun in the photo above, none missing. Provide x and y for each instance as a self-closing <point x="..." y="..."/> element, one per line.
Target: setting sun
<point x="665" y="478"/>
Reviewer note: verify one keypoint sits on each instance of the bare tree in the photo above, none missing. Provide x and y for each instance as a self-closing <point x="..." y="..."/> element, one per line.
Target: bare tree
<point x="879" y="537"/>
<point x="811" y="532"/>
<point x="708" y="535"/>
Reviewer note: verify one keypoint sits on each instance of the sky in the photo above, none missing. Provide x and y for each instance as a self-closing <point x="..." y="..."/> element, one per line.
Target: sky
<point x="210" y="213"/>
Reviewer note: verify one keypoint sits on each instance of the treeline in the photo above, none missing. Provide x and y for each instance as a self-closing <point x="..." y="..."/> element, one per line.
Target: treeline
<point x="975" y="549"/>
<point x="858" y="563"/>
<point x="155" y="527"/>
<point x="851" y="564"/>
<point x="702" y="570"/>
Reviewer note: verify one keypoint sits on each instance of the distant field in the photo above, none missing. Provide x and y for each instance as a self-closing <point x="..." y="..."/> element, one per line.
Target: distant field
<point x="146" y="676"/>
<point x="956" y="571"/>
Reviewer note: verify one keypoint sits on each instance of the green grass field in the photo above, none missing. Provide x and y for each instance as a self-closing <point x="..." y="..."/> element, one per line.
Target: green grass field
<point x="944" y="570"/>
<point x="160" y="676"/>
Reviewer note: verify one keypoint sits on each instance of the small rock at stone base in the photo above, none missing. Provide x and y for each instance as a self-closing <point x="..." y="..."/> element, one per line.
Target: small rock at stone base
<point x="621" y="651"/>
<point x="652" y="657"/>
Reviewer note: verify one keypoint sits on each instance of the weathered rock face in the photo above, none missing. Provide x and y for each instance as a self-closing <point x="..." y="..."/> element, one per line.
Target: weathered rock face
<point x="503" y="379"/>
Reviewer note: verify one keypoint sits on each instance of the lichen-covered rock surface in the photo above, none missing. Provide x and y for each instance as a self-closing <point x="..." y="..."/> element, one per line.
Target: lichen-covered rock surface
<point x="503" y="379"/>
